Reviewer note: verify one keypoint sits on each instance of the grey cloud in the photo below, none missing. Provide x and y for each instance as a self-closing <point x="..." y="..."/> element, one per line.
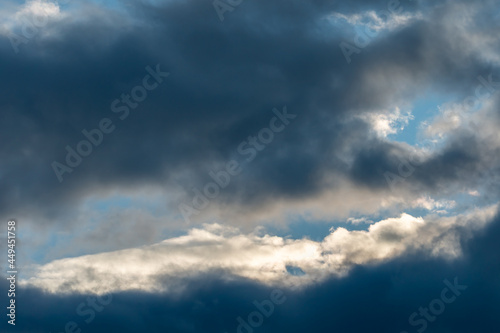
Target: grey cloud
<point x="225" y="79"/>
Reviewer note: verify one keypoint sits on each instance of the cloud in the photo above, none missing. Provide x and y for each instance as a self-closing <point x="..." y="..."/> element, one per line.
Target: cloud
<point x="223" y="250"/>
<point x="113" y="224"/>
<point x="431" y="204"/>
<point x="381" y="20"/>
<point x="206" y="97"/>
<point x="28" y="20"/>
<point x="399" y="287"/>
<point x="385" y="123"/>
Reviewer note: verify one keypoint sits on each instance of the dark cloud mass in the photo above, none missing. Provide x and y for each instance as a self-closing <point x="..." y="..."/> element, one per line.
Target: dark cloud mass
<point x="225" y="79"/>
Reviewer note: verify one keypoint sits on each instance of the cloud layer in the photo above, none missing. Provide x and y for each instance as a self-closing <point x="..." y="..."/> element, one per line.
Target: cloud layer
<point x="224" y="251"/>
<point x="226" y="77"/>
<point x="379" y="298"/>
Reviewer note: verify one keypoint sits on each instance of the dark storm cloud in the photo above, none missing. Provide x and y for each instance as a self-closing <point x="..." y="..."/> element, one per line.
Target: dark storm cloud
<point x="225" y="78"/>
<point x="372" y="299"/>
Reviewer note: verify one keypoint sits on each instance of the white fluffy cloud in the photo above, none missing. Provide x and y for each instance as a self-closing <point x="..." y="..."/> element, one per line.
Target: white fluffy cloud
<point x="386" y="123"/>
<point x="223" y="250"/>
<point x="31" y="16"/>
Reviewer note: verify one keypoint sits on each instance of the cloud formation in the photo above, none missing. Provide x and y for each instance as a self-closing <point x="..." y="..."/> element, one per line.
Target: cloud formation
<point x="224" y="251"/>
<point x="292" y="59"/>
<point x="403" y="131"/>
<point x="380" y="297"/>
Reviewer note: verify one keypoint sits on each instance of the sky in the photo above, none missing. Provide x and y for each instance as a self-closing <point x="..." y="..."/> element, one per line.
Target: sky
<point x="251" y="165"/>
